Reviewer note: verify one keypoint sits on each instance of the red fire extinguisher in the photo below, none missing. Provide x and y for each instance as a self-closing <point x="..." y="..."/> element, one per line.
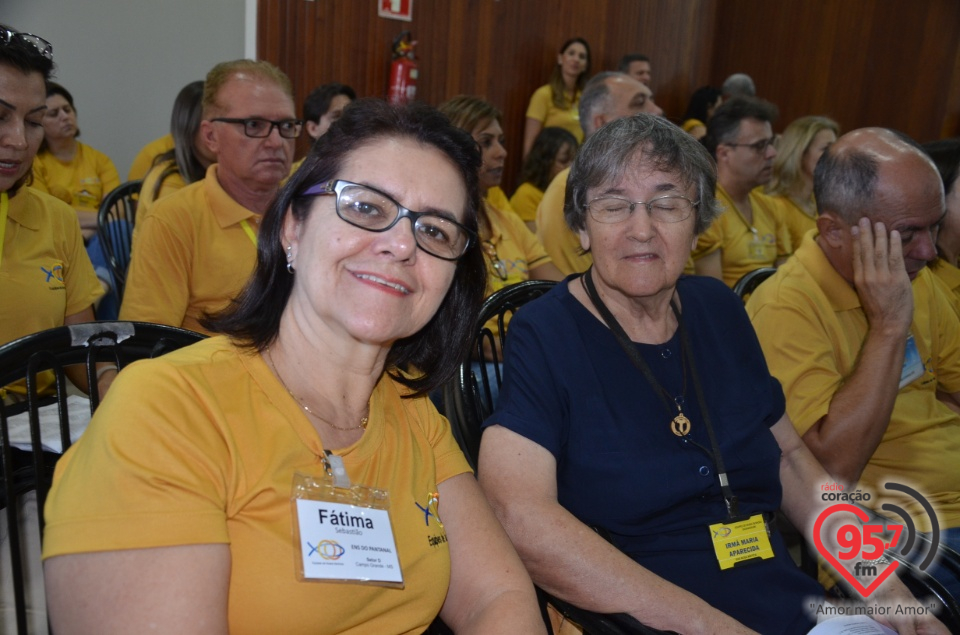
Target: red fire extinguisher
<point x="403" y="70"/>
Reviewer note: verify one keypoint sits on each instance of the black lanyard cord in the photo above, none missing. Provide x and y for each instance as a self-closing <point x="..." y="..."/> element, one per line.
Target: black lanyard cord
<point x="687" y="358"/>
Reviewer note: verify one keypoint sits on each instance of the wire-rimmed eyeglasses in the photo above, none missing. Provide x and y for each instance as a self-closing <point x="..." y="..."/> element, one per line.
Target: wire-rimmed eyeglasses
<point x="370" y="209"/>
<point x="259" y="128"/>
<point x="663" y="209"/>
<point x="44" y="48"/>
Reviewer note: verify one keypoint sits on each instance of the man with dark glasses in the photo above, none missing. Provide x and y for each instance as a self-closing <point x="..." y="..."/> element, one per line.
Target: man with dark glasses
<point x="196" y="248"/>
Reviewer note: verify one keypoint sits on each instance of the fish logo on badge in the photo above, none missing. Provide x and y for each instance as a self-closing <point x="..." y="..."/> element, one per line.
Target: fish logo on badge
<point x="327" y="549"/>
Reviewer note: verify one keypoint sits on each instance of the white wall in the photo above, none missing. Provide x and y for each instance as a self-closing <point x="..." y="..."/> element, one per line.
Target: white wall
<point x="125" y="60"/>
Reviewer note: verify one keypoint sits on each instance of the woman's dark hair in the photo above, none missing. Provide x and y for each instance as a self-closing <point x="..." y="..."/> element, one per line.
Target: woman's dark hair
<point x="184" y="124"/>
<point x="557" y="89"/>
<point x="543" y="153"/>
<point x="701" y="101"/>
<point x="21" y="54"/>
<point x="946" y="156"/>
<point x="318" y="101"/>
<point x="432" y="354"/>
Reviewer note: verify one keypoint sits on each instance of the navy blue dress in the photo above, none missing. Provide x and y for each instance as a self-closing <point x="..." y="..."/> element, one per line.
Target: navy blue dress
<point x="569" y="387"/>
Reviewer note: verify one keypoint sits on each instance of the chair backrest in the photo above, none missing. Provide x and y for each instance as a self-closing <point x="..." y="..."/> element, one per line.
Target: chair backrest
<point x="118" y="213"/>
<point x="29" y="468"/>
<point x="749" y="282"/>
<point x="469" y="399"/>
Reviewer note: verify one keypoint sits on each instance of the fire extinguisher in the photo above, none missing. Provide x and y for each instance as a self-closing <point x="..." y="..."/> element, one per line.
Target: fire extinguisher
<point x="403" y="70"/>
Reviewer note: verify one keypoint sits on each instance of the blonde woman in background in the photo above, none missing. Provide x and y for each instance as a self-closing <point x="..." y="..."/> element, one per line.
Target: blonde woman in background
<point x="799" y="149"/>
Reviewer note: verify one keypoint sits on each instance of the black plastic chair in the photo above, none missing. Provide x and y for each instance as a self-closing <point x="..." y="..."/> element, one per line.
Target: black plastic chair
<point x="115" y="220"/>
<point x="468" y="400"/>
<point x="25" y="471"/>
<point x="749" y="282"/>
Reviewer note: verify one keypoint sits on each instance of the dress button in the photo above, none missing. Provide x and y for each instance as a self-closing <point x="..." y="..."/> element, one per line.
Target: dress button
<point x="665" y="353"/>
<point x="704" y="470"/>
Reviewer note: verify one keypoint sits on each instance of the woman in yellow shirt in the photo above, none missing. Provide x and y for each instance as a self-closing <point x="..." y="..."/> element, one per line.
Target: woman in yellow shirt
<point x="556" y="103"/>
<point x="799" y="149"/>
<point x="188" y="160"/>
<point x="70" y="170"/>
<point x="552" y="152"/>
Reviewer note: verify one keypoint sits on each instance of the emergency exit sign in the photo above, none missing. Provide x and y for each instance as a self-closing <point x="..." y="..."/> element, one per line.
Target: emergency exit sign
<point x="396" y="9"/>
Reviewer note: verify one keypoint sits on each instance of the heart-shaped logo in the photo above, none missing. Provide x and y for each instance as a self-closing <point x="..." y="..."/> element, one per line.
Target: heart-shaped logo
<point x="850" y="537"/>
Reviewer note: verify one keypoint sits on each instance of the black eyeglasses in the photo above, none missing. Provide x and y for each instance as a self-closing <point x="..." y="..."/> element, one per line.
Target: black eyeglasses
<point x="370" y="209"/>
<point x="758" y="146"/>
<point x="42" y="47"/>
<point x="260" y="128"/>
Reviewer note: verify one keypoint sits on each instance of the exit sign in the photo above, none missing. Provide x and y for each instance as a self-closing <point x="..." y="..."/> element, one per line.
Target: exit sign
<point x="396" y="9"/>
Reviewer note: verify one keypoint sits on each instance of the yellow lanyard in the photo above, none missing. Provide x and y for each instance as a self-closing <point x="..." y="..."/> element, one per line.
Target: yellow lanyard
<point x="4" y="206"/>
<point x="249" y="231"/>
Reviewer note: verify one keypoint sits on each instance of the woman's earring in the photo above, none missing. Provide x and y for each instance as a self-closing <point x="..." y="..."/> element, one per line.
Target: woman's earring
<point x="290" y="268"/>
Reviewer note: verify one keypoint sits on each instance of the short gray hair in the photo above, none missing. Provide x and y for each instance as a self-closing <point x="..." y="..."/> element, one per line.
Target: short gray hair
<point x="594" y="99"/>
<point x="739" y="85"/>
<point x="606" y="156"/>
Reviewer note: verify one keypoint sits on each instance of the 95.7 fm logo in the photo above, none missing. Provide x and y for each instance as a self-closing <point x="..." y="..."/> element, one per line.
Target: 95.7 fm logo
<point x="856" y="549"/>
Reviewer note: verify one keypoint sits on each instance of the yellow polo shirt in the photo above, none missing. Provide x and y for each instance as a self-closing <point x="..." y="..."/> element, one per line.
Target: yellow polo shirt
<point x="562" y="244"/>
<point x="191" y="256"/>
<point x="811" y="326"/>
<point x="45" y="273"/>
<point x="798" y="222"/>
<point x="173" y="182"/>
<point x="746" y="247"/>
<point x="82" y="182"/>
<point x="526" y="200"/>
<point x="209" y="458"/>
<point x="948" y="275"/>
<point x="144" y="159"/>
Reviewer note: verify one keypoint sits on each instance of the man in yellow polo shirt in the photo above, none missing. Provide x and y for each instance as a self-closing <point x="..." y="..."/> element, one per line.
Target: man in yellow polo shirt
<point x="861" y="334"/>
<point x="751" y="233"/>
<point x="195" y="249"/>
<point x="606" y="97"/>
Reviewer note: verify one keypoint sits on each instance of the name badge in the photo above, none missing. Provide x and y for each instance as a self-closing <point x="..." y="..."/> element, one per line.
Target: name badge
<point x="343" y="534"/>
<point x="912" y="365"/>
<point x="737" y="542"/>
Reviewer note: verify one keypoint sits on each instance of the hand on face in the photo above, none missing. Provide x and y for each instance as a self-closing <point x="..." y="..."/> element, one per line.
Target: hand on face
<point x="881" y="279"/>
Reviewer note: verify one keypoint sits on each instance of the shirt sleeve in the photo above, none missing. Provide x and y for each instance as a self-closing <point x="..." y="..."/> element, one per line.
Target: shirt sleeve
<point x="799" y="354"/>
<point x="109" y="177"/>
<point x="539" y="106"/>
<point x="709" y="241"/>
<point x="153" y="479"/>
<point x="80" y="279"/>
<point x="531" y="403"/>
<point x="447" y="455"/>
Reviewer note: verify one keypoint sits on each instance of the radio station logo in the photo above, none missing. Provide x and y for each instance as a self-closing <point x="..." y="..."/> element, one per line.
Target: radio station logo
<point x="857" y="549"/>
